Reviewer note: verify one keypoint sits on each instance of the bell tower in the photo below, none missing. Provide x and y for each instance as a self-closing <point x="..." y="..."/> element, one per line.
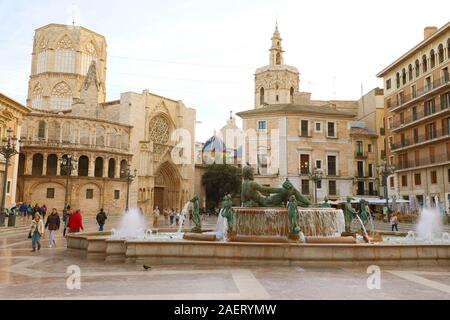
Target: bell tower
<point x="276" y="83"/>
<point x="276" y="52"/>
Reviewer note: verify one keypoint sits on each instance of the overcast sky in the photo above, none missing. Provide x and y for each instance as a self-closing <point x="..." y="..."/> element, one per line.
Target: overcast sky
<point x="205" y="52"/>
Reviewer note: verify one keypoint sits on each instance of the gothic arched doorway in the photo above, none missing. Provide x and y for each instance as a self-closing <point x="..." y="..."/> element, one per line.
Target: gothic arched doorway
<point x="167" y="187"/>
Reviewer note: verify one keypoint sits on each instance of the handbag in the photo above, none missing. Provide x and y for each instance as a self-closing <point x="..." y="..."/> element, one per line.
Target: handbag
<point x="29" y="235"/>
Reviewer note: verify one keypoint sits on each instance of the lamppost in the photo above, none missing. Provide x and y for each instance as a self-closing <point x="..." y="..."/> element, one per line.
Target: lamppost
<point x="316" y="176"/>
<point x="68" y="164"/>
<point x="385" y="170"/>
<point x="8" y="150"/>
<point x="126" y="173"/>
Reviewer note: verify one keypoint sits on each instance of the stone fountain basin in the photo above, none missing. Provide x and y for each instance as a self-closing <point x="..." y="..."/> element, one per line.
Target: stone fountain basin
<point x="100" y="247"/>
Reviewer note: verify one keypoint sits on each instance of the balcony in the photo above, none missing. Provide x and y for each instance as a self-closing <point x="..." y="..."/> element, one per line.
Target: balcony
<point x="361" y="154"/>
<point x="69" y="145"/>
<point x="420" y="140"/>
<point x="420" y="93"/>
<point x="372" y="193"/>
<point x="423" y="162"/>
<point x="418" y="117"/>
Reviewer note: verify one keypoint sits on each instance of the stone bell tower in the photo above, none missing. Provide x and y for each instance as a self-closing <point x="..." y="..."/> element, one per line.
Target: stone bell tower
<point x="276" y="83"/>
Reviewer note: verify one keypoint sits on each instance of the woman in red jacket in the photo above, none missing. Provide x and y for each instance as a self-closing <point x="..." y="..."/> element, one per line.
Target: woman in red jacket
<point x="75" y="222"/>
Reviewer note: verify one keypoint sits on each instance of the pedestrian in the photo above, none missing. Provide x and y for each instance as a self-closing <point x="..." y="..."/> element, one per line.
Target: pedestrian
<point x="156" y="215"/>
<point x="166" y="216"/>
<point x="394" y="222"/>
<point x="44" y="211"/>
<point x="23" y="211"/>
<point x="36" y="210"/>
<point x="75" y="224"/>
<point x="36" y="232"/>
<point x="101" y="219"/>
<point x="177" y="218"/>
<point x="53" y="223"/>
<point x="171" y="216"/>
<point x="66" y="217"/>
<point x="30" y="212"/>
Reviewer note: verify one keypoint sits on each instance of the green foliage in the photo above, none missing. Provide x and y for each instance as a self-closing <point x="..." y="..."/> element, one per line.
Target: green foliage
<point x="220" y="180"/>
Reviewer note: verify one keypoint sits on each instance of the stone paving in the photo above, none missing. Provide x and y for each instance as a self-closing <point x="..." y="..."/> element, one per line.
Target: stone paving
<point x="43" y="275"/>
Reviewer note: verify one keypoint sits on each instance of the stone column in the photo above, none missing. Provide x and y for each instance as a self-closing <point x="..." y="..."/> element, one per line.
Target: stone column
<point x="105" y="168"/>
<point x="91" y="167"/>
<point x="58" y="165"/>
<point x="44" y="165"/>
<point x="28" y="163"/>
<point x="117" y="173"/>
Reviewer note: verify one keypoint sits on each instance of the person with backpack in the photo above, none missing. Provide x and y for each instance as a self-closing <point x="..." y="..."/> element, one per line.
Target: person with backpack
<point x="101" y="219"/>
<point x="52" y="224"/>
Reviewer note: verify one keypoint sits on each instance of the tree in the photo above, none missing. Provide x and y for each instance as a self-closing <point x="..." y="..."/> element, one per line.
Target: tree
<point x="220" y="180"/>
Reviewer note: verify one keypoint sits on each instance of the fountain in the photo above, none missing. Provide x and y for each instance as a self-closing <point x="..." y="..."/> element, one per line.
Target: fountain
<point x="278" y="228"/>
<point x="430" y="226"/>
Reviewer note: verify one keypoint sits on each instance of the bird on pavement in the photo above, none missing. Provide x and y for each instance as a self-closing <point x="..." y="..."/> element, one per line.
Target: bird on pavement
<point x="146" y="267"/>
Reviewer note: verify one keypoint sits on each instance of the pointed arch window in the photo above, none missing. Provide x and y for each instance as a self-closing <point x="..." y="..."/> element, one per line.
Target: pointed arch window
<point x="36" y="100"/>
<point x="65" y="56"/>
<point x="261" y="96"/>
<point x="404" y="76"/>
<point x="41" y="130"/>
<point x="61" y="98"/>
<point x="278" y="62"/>
<point x="441" y="53"/>
<point x="89" y="54"/>
<point x="424" y="64"/>
<point x="417" y="67"/>
<point x="410" y="72"/>
<point x="41" y="57"/>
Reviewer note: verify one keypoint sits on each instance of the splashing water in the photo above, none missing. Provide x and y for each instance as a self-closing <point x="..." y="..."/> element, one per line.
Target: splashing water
<point x="184" y="214"/>
<point x="131" y="226"/>
<point x="430" y="223"/>
<point x="411" y="235"/>
<point x="221" y="227"/>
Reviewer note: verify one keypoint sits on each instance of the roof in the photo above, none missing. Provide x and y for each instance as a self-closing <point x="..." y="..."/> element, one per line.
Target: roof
<point x="293" y="108"/>
<point x="69" y="26"/>
<point x="362" y="131"/>
<point x="423" y="43"/>
<point x="14" y="103"/>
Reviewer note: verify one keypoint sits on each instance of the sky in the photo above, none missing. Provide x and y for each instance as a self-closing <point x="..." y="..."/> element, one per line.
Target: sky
<point x="205" y="52"/>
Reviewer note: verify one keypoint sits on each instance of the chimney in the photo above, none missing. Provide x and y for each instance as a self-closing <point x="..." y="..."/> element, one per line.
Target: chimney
<point x="428" y="32"/>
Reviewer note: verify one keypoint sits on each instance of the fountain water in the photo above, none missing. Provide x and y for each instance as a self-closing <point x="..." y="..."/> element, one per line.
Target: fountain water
<point x="221" y="227"/>
<point x="184" y="214"/>
<point x="430" y="222"/>
<point x="131" y="226"/>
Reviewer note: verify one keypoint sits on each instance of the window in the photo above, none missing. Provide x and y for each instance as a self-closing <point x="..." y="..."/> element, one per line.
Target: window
<point x="89" y="193"/>
<point x="404" y="180"/>
<point x="403" y="76"/>
<point x="318" y="127"/>
<point x="430" y="107"/>
<point x="391" y="182"/>
<point x="417" y="179"/>
<point x="41" y="62"/>
<point x="430" y="131"/>
<point x="391" y="142"/>
<point x="331" y="130"/>
<point x="397" y="77"/>
<point x="441" y="53"/>
<point x="417" y="67"/>
<point x="331" y="163"/>
<point x="61" y="98"/>
<point x="371" y="189"/>
<point x="304" y="128"/>
<point x="369" y="148"/>
<point x="402" y="117"/>
<point x="428" y="84"/>
<point x="389" y="103"/>
<point x="359" y="148"/>
<point x="416" y="135"/>
<point x="388" y="84"/>
<point x="370" y="170"/>
<point x="319" y="164"/>
<point x="305" y="187"/>
<point x="424" y="64"/>
<point x="433" y="175"/>
<point x="390" y="122"/>
<point x="410" y="72"/>
<point x="304" y="164"/>
<point x="432" y="59"/>
<point x="292" y="95"/>
<point x="261" y="96"/>
<point x="332" y="188"/>
<point x="319" y="184"/>
<point x="361" y="188"/>
<point x="65" y="61"/>
<point x="414" y="113"/>
<point x="414" y="91"/>
<point x="116" y="194"/>
<point x="445" y="74"/>
<point x="360" y="166"/>
<point x="262" y="125"/>
<point x="50" y="193"/>
<point x="36" y="102"/>
<point x="8" y="187"/>
<point x="87" y="57"/>
<point x="41" y="130"/>
<point x="448" y="175"/>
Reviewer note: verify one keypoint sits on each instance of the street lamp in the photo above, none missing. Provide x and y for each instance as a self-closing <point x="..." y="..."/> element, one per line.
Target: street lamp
<point x="316" y="176"/>
<point x="68" y="164"/>
<point x="126" y="173"/>
<point x="7" y="150"/>
<point x="385" y="170"/>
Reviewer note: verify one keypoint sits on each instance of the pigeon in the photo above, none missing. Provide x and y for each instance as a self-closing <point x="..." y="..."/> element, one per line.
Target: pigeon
<point x="146" y="267"/>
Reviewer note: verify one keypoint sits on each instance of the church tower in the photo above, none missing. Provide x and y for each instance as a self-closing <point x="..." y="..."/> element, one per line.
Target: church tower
<point x="276" y="83"/>
<point x="62" y="56"/>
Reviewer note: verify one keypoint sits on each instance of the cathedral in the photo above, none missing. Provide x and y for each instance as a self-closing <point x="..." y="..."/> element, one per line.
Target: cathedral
<point x="142" y="139"/>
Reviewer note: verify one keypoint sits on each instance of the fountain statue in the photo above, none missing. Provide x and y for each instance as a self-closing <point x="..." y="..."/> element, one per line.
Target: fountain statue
<point x="227" y="211"/>
<point x="293" y="215"/>
<point x="196" y="218"/>
<point x="325" y="203"/>
<point x="363" y="213"/>
<point x="349" y="214"/>
<point x="252" y="193"/>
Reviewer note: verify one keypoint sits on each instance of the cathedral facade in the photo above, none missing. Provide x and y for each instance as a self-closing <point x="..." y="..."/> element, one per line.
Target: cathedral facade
<point x="71" y="117"/>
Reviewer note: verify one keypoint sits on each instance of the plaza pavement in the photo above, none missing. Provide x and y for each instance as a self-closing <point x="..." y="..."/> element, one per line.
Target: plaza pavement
<point x="43" y="275"/>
